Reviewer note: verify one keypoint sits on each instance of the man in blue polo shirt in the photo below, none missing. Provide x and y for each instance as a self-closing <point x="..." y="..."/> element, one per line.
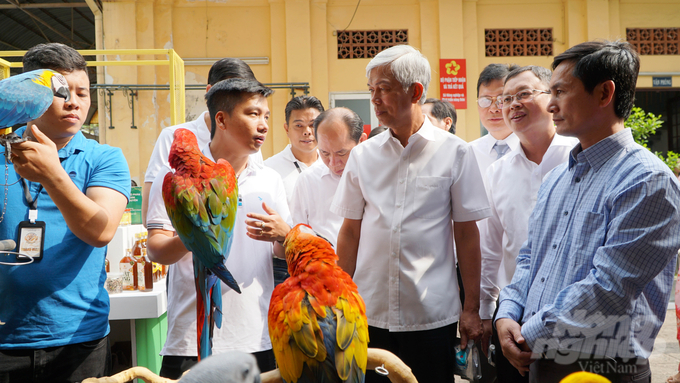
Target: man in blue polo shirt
<point x="73" y="192"/>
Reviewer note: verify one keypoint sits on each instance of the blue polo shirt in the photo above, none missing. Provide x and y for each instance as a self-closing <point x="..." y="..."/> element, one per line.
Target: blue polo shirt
<point x="60" y="300"/>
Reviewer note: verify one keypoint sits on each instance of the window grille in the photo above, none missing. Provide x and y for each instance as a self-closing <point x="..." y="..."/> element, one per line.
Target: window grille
<point x="367" y="44"/>
<point x="518" y="42"/>
<point x="654" y="41"/>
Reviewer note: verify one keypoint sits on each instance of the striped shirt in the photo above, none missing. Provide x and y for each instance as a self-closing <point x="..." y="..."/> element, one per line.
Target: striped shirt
<point x="596" y="272"/>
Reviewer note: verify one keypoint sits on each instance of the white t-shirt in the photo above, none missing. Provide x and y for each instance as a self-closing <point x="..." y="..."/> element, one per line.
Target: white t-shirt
<point x="312" y="198"/>
<point x="513" y="183"/>
<point x="244" y="320"/>
<point x="486" y="154"/>
<point x="407" y="199"/>
<point x="161" y="149"/>
<point x="289" y="168"/>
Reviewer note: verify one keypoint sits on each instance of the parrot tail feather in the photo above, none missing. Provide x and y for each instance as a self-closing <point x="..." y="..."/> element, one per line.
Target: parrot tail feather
<point x="226" y="277"/>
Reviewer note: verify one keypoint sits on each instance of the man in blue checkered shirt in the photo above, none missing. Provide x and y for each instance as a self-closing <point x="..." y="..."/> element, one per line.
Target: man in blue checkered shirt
<point x="593" y="280"/>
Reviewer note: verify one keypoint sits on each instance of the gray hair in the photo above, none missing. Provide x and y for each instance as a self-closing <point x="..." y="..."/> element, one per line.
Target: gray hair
<point x="354" y="123"/>
<point x="407" y="64"/>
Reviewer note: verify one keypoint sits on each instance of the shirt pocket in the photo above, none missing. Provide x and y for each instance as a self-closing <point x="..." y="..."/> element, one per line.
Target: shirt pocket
<point x="432" y="197"/>
<point x="589" y="232"/>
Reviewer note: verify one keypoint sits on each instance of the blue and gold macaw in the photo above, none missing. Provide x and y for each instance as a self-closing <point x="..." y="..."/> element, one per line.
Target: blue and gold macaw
<point x="201" y="198"/>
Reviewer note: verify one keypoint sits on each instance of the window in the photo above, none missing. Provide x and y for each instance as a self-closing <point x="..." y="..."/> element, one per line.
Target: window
<point x="654" y="41"/>
<point x="367" y="44"/>
<point x="518" y="42"/>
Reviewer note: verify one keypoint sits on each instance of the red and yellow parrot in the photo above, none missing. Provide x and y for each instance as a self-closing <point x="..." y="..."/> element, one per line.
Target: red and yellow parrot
<point x="317" y="320"/>
<point x="201" y="198"/>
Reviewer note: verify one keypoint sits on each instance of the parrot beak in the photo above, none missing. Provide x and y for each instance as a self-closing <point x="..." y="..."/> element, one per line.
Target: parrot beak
<point x="60" y="87"/>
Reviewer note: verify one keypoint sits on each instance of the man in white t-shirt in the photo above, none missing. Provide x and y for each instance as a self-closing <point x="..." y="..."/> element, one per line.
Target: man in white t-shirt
<point x="239" y="114"/>
<point x="525" y="100"/>
<point x="400" y="194"/>
<point x="337" y="131"/>
<point x="500" y="139"/>
<point x="221" y="70"/>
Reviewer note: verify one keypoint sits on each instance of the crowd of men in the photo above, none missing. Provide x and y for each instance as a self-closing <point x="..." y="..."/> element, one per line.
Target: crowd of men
<point x="553" y="237"/>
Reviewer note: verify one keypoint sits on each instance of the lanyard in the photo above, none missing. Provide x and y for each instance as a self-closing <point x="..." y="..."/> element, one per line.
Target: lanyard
<point x="32" y="202"/>
<point x="297" y="166"/>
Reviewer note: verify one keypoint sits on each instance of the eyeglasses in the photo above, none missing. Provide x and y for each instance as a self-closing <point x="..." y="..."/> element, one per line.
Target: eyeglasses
<point x="521" y="96"/>
<point x="485" y="102"/>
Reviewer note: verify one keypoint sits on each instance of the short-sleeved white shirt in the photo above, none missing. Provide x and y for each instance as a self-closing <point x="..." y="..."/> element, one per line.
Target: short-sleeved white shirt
<point x="486" y="154"/>
<point x="407" y="199"/>
<point x="161" y="149"/>
<point x="289" y="168"/>
<point x="244" y="320"/>
<point x="513" y="183"/>
<point x="312" y="198"/>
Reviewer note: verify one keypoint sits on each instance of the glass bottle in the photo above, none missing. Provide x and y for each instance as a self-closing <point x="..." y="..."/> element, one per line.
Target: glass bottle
<point x="128" y="267"/>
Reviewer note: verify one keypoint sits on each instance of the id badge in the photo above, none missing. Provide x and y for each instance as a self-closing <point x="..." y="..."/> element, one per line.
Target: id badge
<point x="32" y="239"/>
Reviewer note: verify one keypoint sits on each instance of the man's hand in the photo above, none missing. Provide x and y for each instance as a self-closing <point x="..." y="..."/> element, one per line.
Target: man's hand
<point x="515" y="348"/>
<point x="36" y="161"/>
<point x="470" y="327"/>
<point x="487" y="326"/>
<point x="268" y="227"/>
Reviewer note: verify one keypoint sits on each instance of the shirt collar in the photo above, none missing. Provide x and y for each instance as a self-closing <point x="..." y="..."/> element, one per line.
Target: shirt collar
<point x="557" y="140"/>
<point x="598" y="154"/>
<point x="426" y="131"/>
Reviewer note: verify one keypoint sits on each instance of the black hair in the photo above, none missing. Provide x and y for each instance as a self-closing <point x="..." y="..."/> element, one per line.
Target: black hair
<point x="229" y="67"/>
<point x="442" y="109"/>
<point x="494" y="72"/>
<point x="55" y="56"/>
<point x="354" y="123"/>
<point x="302" y="103"/>
<point x="377" y="130"/>
<point x="543" y="74"/>
<point x="226" y="94"/>
<point x="598" y="61"/>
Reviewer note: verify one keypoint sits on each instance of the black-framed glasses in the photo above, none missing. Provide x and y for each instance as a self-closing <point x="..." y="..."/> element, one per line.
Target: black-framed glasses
<point x="525" y="95"/>
<point x="486" y="101"/>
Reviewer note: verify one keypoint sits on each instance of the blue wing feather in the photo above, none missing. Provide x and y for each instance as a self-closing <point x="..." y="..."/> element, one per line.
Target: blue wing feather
<point x="23" y="100"/>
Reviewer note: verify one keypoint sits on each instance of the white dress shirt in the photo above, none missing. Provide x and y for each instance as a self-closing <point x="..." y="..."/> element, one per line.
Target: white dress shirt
<point x="486" y="154"/>
<point x="289" y="168"/>
<point x="244" y="323"/>
<point x="513" y="183"/>
<point x="407" y="199"/>
<point x="312" y="198"/>
<point x="161" y="149"/>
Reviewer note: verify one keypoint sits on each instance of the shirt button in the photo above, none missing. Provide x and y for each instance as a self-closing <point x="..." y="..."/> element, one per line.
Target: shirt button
<point x="533" y="313"/>
<point x="554" y="246"/>
<point x="403" y="158"/>
<point x="542" y="279"/>
<point x="401" y="181"/>
<point x="394" y="229"/>
<point x="398" y="205"/>
<point x="578" y="179"/>
<point x="566" y="213"/>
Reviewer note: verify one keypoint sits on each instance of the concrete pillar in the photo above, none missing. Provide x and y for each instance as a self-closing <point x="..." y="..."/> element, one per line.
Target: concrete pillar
<point x="320" y="30"/>
<point x="276" y="138"/>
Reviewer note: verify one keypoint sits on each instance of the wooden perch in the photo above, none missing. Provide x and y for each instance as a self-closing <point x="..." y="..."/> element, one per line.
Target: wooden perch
<point x="398" y="371"/>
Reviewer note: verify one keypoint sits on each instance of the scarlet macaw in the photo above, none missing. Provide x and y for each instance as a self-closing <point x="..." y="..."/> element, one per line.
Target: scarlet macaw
<point x="317" y="320"/>
<point x="201" y="198"/>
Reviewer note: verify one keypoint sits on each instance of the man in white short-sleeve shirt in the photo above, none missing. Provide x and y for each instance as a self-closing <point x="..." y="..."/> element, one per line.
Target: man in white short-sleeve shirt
<point x="400" y="194"/>
<point x="301" y="153"/>
<point x="200" y="127"/>
<point x="337" y="131"/>
<point x="500" y="139"/>
<point x="540" y="150"/>
<point x="244" y="323"/>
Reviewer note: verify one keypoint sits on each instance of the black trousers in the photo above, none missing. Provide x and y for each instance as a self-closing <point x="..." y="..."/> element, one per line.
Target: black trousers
<point x="615" y="369"/>
<point x="71" y="363"/>
<point x="429" y="353"/>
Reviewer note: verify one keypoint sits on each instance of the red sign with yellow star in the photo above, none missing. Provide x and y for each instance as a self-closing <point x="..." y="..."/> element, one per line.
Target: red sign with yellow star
<point x="453" y="82"/>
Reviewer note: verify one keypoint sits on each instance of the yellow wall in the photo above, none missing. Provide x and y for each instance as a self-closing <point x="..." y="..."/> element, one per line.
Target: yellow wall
<point x="298" y="38"/>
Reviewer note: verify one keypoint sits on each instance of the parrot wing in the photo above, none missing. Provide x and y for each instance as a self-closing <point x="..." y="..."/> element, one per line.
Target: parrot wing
<point x="203" y="213"/>
<point x="23" y="99"/>
<point x="313" y="342"/>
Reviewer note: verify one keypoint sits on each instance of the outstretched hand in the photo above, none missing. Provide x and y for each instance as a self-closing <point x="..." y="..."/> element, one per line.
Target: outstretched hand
<point x="268" y="227"/>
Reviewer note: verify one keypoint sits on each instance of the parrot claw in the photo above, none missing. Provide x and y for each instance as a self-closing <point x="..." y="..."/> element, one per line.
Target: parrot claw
<point x="7" y="140"/>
